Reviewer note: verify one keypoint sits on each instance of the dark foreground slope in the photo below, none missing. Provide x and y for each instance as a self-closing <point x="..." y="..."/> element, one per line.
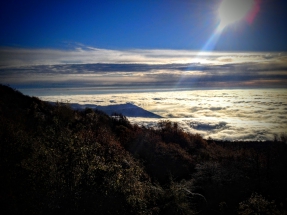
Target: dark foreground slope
<point x="55" y="160"/>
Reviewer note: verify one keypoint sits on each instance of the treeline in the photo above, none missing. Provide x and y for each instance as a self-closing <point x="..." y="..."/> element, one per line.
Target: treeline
<point x="56" y="160"/>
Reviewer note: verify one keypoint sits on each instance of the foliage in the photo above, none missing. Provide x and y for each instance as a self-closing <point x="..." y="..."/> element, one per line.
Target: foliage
<point x="56" y="160"/>
<point x="258" y="205"/>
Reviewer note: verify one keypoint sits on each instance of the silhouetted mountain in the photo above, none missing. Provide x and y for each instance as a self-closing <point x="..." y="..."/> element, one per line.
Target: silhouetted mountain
<point x="128" y="109"/>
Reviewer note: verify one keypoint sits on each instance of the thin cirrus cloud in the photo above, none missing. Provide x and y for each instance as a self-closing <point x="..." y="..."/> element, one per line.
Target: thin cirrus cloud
<point x="92" y="67"/>
<point x="84" y="55"/>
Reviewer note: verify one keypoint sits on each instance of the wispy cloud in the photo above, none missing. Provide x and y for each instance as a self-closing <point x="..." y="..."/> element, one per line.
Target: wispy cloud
<point x="92" y="67"/>
<point x="84" y="55"/>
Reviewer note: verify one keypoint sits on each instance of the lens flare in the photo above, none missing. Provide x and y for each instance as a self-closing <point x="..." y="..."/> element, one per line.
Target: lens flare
<point x="231" y="11"/>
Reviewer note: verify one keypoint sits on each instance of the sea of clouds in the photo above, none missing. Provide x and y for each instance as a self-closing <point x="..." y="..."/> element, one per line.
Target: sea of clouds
<point x="238" y="114"/>
<point x="175" y="84"/>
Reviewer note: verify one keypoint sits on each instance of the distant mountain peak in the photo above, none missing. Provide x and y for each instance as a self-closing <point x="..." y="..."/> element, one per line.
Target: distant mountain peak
<point x="128" y="109"/>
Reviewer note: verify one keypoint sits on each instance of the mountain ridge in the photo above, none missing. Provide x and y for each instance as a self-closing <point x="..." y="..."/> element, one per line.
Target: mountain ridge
<point x="128" y="109"/>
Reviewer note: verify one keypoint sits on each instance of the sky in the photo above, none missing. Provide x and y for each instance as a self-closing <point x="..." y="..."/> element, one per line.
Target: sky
<point x="141" y="24"/>
<point x="143" y="44"/>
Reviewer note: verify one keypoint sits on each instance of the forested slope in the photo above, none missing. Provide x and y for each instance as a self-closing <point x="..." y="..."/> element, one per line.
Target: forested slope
<point x="56" y="160"/>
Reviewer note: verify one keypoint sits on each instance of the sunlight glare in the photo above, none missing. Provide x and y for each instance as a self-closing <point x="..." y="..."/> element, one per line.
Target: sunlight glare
<point x="231" y="11"/>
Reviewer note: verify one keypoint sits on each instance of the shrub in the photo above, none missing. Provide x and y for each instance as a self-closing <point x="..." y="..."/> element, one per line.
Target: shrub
<point x="258" y="205"/>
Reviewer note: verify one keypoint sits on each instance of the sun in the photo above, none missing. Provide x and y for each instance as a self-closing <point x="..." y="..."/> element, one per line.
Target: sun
<point x="231" y="11"/>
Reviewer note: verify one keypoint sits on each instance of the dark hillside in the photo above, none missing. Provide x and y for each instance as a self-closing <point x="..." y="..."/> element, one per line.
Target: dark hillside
<point x="57" y="160"/>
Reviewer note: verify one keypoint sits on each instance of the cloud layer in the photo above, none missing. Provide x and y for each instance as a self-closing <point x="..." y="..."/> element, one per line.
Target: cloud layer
<point x="11" y="57"/>
<point x="96" y="68"/>
<point x="255" y="114"/>
<point x="156" y="79"/>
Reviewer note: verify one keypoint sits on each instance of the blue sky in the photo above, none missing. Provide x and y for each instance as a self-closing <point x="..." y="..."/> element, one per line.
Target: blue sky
<point x="141" y="44"/>
<point x="160" y="24"/>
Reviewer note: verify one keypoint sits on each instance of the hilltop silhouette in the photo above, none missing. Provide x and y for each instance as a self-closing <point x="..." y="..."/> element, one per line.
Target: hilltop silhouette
<point x="128" y="109"/>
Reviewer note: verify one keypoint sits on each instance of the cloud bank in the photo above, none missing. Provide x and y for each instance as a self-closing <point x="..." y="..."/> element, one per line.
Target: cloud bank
<point x="88" y="68"/>
<point x="250" y="114"/>
<point x="11" y="57"/>
<point x="162" y="80"/>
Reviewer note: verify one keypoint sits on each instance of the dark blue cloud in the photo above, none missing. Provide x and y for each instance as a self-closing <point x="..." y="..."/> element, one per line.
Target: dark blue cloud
<point x="144" y="75"/>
